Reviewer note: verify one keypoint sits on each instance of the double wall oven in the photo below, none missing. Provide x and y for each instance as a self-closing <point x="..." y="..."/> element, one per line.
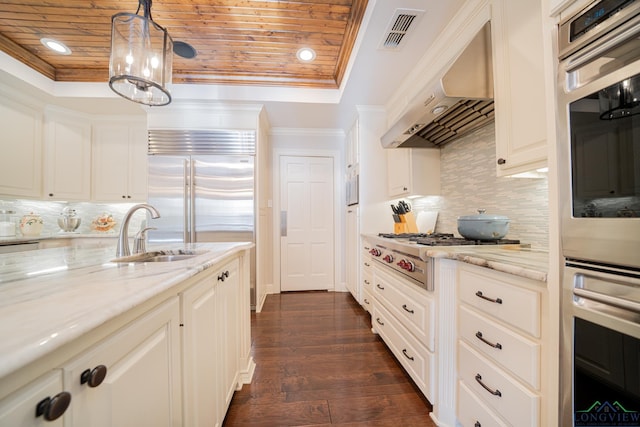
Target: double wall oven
<point x="599" y="188"/>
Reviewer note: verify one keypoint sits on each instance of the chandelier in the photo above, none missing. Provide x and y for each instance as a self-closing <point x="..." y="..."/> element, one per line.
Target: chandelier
<point x="141" y="57"/>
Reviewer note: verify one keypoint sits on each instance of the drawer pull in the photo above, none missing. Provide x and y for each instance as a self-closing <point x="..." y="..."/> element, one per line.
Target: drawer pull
<point x="367" y="264"/>
<point x="497" y="300"/>
<point x="496" y="345"/>
<point x="495" y="392"/>
<point x="406" y="309"/>
<point x="477" y="424"/>
<point x="367" y="282"/>
<point x="380" y="287"/>
<point x="404" y="351"/>
<point x="366" y="301"/>
<point x="379" y="322"/>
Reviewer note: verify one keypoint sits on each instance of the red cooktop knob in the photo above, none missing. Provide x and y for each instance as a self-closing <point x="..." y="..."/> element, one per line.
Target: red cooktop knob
<point x="375" y="252"/>
<point x="388" y="258"/>
<point x="406" y="265"/>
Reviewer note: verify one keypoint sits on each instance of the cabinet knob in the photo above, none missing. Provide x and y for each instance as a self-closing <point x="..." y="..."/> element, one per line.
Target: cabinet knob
<point x="502" y="161"/>
<point x="405" y="189"/>
<point x="94" y="377"/>
<point x="124" y="197"/>
<point x="52" y="408"/>
<point x="223" y="275"/>
<point x="128" y="197"/>
<point x="50" y="194"/>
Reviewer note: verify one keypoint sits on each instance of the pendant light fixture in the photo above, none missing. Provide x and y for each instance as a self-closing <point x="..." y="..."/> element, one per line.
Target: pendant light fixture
<point x="141" y="57"/>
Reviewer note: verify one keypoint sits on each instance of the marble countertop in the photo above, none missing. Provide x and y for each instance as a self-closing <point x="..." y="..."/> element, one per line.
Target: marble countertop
<point x="50" y="297"/>
<point x="520" y="260"/>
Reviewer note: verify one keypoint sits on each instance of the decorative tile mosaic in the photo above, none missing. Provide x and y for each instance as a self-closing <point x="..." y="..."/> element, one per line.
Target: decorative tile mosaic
<point x="469" y="183"/>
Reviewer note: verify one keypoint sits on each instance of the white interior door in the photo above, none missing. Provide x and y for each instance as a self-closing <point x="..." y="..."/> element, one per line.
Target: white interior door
<point x="307" y="223"/>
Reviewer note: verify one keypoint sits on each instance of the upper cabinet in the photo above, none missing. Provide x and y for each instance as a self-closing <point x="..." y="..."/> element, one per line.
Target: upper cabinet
<point x="21" y="147"/>
<point x="519" y="86"/>
<point x="119" y="165"/>
<point x="413" y="172"/>
<point x="67" y="159"/>
<point x="352" y="148"/>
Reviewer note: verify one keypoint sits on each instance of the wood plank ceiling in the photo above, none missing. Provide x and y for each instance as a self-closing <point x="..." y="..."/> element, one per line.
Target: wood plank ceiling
<point x="238" y="41"/>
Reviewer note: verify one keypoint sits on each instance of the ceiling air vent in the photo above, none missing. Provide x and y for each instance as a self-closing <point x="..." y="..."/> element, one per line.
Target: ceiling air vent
<point x="400" y="24"/>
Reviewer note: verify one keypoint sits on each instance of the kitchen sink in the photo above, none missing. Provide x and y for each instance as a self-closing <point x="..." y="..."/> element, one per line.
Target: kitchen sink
<point x="160" y="256"/>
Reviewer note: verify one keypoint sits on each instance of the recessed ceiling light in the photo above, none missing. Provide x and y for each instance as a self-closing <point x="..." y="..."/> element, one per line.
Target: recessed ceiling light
<point x="306" y="54"/>
<point x="56" y="46"/>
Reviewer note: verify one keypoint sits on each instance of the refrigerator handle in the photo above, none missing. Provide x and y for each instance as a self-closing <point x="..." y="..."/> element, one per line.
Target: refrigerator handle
<point x="283" y="223"/>
<point x="186" y="196"/>
<point x="192" y="202"/>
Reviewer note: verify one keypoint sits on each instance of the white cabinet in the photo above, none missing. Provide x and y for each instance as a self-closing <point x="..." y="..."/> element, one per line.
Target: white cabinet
<point x="67" y="158"/>
<point x="500" y="341"/>
<point x="404" y="316"/>
<point x="413" y="172"/>
<point x="200" y="358"/>
<point x="352" y="249"/>
<point x="21" y="147"/>
<point x="519" y="85"/>
<point x="228" y="312"/>
<point x="19" y="409"/>
<point x="211" y="345"/>
<point x="352" y="148"/>
<point x="366" y="277"/>
<point x="119" y="164"/>
<point x="143" y="375"/>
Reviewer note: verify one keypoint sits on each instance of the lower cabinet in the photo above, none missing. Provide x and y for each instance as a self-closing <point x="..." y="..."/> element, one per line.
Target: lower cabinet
<point x="174" y="363"/>
<point x="404" y="316"/>
<point x="19" y="409"/>
<point x="500" y="335"/>
<point x="210" y="346"/>
<point x="131" y="378"/>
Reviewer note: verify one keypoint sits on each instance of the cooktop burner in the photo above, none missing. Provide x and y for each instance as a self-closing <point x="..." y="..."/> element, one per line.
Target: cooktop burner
<point x="445" y="239"/>
<point x="449" y="240"/>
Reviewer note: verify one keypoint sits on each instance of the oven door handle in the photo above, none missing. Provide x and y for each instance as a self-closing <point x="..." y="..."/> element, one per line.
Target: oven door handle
<point x="608" y="300"/>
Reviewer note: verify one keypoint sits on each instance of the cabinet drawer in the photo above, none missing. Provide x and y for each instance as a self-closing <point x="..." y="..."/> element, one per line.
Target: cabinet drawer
<point x="414" y="357"/>
<point x="516" y="306"/>
<point x="510" y="349"/>
<point x="367" y="281"/>
<point x="472" y="412"/>
<point x="409" y="304"/>
<point x="367" y="301"/>
<point x="514" y="402"/>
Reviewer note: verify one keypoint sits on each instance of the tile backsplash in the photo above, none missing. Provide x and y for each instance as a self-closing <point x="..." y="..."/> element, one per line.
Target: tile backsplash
<point x="469" y="183"/>
<point x="50" y="211"/>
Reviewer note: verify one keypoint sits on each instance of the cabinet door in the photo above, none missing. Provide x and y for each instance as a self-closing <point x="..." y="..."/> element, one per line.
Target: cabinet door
<point x="142" y="386"/>
<point x="353" y="252"/>
<point x="67" y="160"/>
<point x="137" y="179"/>
<point x="228" y="310"/>
<point x="398" y="172"/>
<point x="119" y="163"/>
<point x="518" y="55"/>
<point x="413" y="172"/>
<point x="21" y="147"/>
<point x="110" y="163"/>
<point x="200" y="361"/>
<point x="19" y="408"/>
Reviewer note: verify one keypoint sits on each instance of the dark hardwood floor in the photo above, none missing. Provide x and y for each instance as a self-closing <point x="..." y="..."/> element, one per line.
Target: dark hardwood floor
<point x="318" y="363"/>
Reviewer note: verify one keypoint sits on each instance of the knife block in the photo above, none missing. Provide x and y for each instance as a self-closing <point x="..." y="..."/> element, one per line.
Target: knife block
<point x="399" y="227"/>
<point x="409" y="220"/>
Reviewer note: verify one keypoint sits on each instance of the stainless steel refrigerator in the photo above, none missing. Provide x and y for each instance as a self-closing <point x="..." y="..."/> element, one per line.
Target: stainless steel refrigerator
<point x="203" y="198"/>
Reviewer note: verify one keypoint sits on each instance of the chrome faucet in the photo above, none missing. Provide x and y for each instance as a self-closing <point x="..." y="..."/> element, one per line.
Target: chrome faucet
<point x="123" y="238"/>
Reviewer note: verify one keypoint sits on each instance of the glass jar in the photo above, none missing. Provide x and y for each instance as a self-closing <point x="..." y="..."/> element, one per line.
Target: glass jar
<point x="7" y="223"/>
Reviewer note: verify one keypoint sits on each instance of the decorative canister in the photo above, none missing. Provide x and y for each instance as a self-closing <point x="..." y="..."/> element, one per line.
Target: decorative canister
<point x="7" y="223"/>
<point x="31" y="225"/>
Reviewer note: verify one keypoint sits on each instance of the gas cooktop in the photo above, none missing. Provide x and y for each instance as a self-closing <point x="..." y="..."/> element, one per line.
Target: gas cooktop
<point x="445" y="239"/>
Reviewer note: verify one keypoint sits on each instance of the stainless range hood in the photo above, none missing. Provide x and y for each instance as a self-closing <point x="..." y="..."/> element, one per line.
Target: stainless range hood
<point x="460" y="102"/>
